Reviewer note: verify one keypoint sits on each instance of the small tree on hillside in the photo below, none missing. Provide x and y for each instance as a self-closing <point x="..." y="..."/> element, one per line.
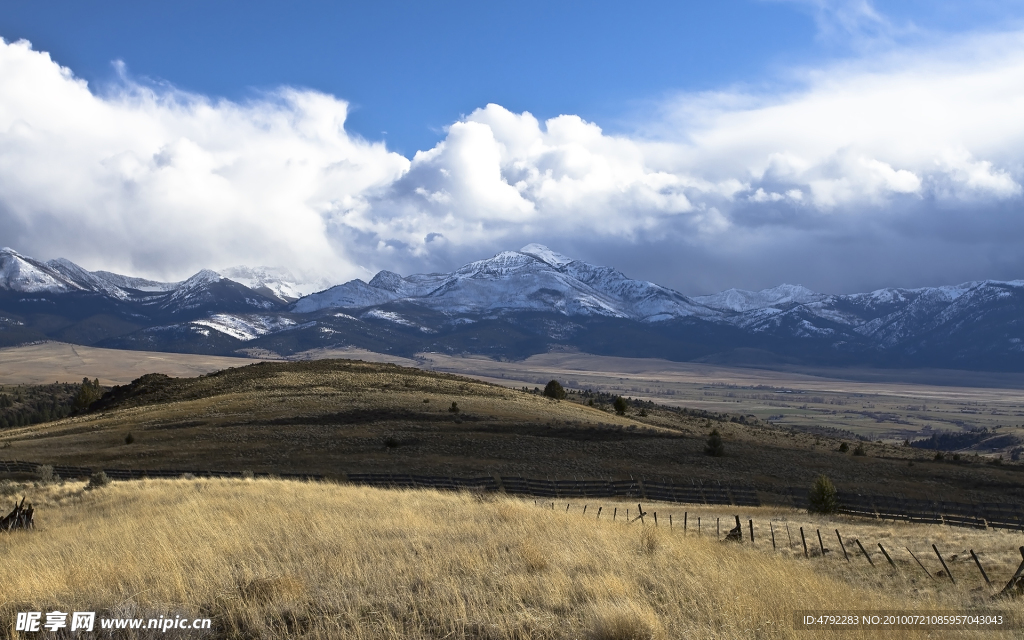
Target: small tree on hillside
<point x="620" y="405"/>
<point x="715" y="446"/>
<point x="554" y="390"/>
<point x="823" y="497"/>
<point x="88" y="393"/>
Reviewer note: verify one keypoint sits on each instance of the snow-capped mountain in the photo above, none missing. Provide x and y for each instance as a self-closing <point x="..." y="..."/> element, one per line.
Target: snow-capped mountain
<point x="512" y="304"/>
<point x="26" y="275"/>
<point x="531" y="279"/>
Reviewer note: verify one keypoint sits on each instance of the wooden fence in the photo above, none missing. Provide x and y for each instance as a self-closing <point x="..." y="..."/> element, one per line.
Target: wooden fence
<point x="962" y="514"/>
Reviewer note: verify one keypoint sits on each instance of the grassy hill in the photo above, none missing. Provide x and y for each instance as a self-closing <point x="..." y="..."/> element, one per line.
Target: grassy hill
<point x="273" y="559"/>
<point x="335" y="417"/>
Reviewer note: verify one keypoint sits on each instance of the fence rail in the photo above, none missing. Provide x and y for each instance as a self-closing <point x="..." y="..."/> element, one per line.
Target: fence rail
<point x="976" y="515"/>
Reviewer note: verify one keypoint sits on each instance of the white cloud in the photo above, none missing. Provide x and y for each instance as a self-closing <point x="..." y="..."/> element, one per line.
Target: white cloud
<point x="161" y="183"/>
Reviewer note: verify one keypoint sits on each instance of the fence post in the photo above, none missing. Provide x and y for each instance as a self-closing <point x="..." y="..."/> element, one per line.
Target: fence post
<point x="698" y="525"/>
<point x="584" y="509"/>
<point x="936" y="549"/>
<point x="980" y="568"/>
<point x="788" y="535"/>
<point x="886" y="554"/>
<point x="864" y="551"/>
<point x="685" y="516"/>
<point x="670" y="522"/>
<point x="739" y="527"/>
<point x="1014" y="580"/>
<point x="802" y="538"/>
<point x="919" y="563"/>
<point x="820" y="545"/>
<point x="599" y="512"/>
<point x="751" y="521"/>
<point x="655" y="518"/>
<point x="718" y="528"/>
<point x="615" y="514"/>
<point x="567" y="507"/>
<point x="772" y="529"/>
<point x="842" y="546"/>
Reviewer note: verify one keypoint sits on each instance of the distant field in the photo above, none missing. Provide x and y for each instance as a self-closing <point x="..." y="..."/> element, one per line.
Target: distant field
<point x="61" y="362"/>
<point x="877" y="404"/>
<point x="275" y="559"/>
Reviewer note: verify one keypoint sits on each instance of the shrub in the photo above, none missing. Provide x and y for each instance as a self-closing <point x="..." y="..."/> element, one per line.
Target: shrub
<point x="939" y="456"/>
<point x="860" y="450"/>
<point x="247" y="474"/>
<point x="643" y="413"/>
<point x="554" y="390"/>
<point x="128" y="439"/>
<point x="44" y="473"/>
<point x="391" y="442"/>
<point x="97" y="480"/>
<point x="823" y="497"/>
<point x="715" y="446"/>
<point x="843" y="448"/>
<point x="620" y="405"/>
<point x="454" y="408"/>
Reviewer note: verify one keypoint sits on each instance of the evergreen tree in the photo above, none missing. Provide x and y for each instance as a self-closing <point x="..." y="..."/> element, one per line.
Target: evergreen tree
<point x="620" y="405"/>
<point x="823" y="497"/>
<point x="715" y="446"/>
<point x="88" y="393"/>
<point x="554" y="390"/>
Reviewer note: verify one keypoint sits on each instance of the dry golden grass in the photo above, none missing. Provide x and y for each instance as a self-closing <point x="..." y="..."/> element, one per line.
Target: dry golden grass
<point x="272" y="559"/>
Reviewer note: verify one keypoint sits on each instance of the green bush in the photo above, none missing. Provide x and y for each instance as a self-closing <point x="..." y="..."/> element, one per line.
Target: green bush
<point x="554" y="390"/>
<point x="715" y="446"/>
<point x="843" y="448"/>
<point x="454" y="408"/>
<point x="860" y="450"/>
<point x="823" y="497"/>
<point x="620" y="405"/>
<point x="128" y="439"/>
<point x="97" y="480"/>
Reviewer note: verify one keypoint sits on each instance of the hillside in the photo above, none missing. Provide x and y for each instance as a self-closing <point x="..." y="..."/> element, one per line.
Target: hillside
<point x="274" y="559"/>
<point x="336" y="417"/>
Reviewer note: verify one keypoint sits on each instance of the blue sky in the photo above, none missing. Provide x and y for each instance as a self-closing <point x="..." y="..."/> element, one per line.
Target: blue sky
<point x="700" y="145"/>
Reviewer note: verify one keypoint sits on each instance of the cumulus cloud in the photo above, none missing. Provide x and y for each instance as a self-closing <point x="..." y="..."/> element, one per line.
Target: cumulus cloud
<point x="161" y="182"/>
<point x="869" y="173"/>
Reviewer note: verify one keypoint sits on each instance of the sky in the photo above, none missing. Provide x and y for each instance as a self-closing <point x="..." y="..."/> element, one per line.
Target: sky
<point x="845" y="145"/>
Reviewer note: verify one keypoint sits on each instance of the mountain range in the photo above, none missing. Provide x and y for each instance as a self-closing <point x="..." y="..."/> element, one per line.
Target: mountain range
<point x="512" y="305"/>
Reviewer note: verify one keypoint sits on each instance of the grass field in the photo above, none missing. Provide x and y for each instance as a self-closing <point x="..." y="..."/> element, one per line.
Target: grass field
<point x="335" y="417"/>
<point x="273" y="559"/>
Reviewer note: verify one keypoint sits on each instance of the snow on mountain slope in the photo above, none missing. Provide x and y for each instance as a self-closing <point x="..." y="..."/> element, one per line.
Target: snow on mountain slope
<point x="21" y="273"/>
<point x="139" y="284"/>
<point x="740" y="301"/>
<point x="544" y="254"/>
<point x="86" y="279"/>
<point x="276" y="281"/>
<point x="354" y="294"/>
<point x="247" y="327"/>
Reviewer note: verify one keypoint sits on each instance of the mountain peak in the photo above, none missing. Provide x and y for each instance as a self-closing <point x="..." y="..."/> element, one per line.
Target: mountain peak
<point x="544" y="254"/>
